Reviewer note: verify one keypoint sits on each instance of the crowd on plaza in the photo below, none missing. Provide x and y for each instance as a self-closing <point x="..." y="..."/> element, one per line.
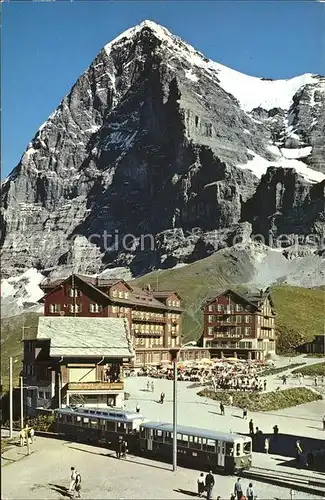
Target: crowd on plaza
<point x="221" y="374"/>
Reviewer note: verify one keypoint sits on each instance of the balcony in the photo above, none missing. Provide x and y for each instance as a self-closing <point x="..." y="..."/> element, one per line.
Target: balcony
<point x="94" y="386"/>
<point x="227" y="323"/>
<point x="148" y="319"/>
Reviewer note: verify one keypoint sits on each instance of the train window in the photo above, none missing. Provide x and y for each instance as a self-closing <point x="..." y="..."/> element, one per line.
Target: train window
<point x="102" y="423"/>
<point x="168" y="437"/>
<point x="209" y="445"/>
<point x="229" y="449"/>
<point x="182" y="440"/>
<point x="238" y="449"/>
<point x="142" y="433"/>
<point x="86" y="411"/>
<point x="195" y="442"/>
<point x="98" y="413"/>
<point x="247" y="448"/>
<point x="158" y="435"/>
<point x="85" y="420"/>
<point x="78" y="419"/>
<point x="110" y="425"/>
<point x="94" y="423"/>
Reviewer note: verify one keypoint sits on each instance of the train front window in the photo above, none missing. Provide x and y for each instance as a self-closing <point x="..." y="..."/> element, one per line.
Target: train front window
<point x="247" y="448"/>
<point x="238" y="449"/>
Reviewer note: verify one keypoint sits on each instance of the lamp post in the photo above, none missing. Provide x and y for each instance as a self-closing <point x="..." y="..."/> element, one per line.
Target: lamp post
<point x="188" y="344"/>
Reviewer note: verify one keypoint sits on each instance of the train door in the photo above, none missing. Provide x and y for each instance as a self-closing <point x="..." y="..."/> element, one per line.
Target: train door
<point x="150" y="439"/>
<point x="221" y="453"/>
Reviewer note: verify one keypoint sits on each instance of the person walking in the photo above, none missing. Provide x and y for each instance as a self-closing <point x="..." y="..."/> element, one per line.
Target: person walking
<point x="22" y="437"/>
<point x="298" y="452"/>
<point x="148" y="386"/>
<point x="315" y="380"/>
<point x="137" y="408"/>
<point x="238" y="490"/>
<point x="222" y="409"/>
<point x="245" y="413"/>
<point x="324" y="423"/>
<point x="77" y="486"/>
<point x="32" y="435"/>
<point x="209" y="484"/>
<point x="73" y="475"/>
<point x="251" y="426"/>
<point x="119" y="447"/>
<point x="250" y="492"/>
<point x="152" y="386"/>
<point x="266" y="445"/>
<point x="162" y="397"/>
<point x="275" y="432"/>
<point x="124" y="449"/>
<point x="200" y="484"/>
<point x="264" y="384"/>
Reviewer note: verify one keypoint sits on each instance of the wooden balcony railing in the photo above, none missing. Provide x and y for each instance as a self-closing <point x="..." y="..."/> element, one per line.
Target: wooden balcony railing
<point x="94" y="386"/>
<point x="149" y="320"/>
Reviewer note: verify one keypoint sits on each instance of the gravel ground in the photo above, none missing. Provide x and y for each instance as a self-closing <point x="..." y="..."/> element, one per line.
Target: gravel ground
<point x="45" y="474"/>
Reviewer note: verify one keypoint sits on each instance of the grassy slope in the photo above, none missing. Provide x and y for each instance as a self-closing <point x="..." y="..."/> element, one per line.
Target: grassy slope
<point x="11" y="345"/>
<point x="298" y="309"/>
<point x="301" y="308"/>
<point x="312" y="370"/>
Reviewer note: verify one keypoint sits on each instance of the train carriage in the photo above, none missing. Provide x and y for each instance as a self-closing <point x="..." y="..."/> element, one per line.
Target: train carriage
<point x="214" y="450"/>
<point x="99" y="426"/>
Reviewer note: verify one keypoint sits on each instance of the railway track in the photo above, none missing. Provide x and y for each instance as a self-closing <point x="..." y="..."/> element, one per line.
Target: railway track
<point x="300" y="482"/>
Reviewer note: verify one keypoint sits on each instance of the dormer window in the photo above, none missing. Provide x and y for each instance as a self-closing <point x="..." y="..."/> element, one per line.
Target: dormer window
<point x="74" y="292"/>
<point x="114" y="293"/>
<point x="126" y="295"/>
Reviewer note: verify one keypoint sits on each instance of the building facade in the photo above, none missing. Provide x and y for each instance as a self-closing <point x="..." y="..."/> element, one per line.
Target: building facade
<point x="154" y="317"/>
<point x="315" y="346"/>
<point x="237" y="325"/>
<point x="76" y="361"/>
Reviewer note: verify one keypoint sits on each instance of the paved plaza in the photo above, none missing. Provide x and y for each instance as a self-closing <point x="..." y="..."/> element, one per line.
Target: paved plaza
<point x="45" y="473"/>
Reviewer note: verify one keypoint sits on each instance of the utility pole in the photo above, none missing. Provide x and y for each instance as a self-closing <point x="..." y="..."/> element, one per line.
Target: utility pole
<point x="10" y="398"/>
<point x="175" y="416"/>
<point x="21" y="403"/>
<point x="59" y="392"/>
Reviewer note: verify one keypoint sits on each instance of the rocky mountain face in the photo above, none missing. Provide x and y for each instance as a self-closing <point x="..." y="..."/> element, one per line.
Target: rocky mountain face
<point x="159" y="156"/>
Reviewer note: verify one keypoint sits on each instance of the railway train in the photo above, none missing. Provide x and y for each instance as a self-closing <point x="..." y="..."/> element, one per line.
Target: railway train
<point x="201" y="448"/>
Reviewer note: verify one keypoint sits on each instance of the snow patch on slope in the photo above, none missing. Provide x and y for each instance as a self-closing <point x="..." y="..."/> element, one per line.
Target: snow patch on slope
<point x="258" y="166"/>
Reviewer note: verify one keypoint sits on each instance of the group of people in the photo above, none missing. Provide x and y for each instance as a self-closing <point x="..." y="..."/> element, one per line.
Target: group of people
<point x="121" y="448"/>
<point x="26" y="437"/>
<point x="75" y="483"/>
<point x="205" y="483"/>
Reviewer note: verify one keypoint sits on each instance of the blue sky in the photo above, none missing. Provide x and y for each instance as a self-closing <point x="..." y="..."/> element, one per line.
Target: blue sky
<point x="47" y="46"/>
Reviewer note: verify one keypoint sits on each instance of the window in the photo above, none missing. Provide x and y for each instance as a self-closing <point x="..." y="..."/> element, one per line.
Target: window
<point x="29" y="346"/>
<point x="220" y="307"/>
<point x="238" y="319"/>
<point x="74" y="292"/>
<point x="238" y="449"/>
<point x="126" y="295"/>
<point x="247" y="319"/>
<point x="114" y="309"/>
<point x="210" y="318"/>
<point x="210" y="330"/>
<point x="238" y="307"/>
<point x="195" y="442"/>
<point x="247" y="448"/>
<point x="238" y="330"/>
<point x="40" y="394"/>
<point x="258" y="320"/>
<point x="95" y="308"/>
<point x="114" y="293"/>
<point x="77" y="308"/>
<point x="209" y="445"/>
<point x="120" y="294"/>
<point x="248" y="331"/>
<point x="47" y="395"/>
<point x="54" y="308"/>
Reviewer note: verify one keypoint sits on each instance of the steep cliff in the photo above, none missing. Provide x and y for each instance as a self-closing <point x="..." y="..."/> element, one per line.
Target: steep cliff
<point x="155" y="139"/>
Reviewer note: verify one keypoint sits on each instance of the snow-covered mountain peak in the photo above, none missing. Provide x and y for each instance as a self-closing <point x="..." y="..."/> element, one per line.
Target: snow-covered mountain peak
<point x="251" y="92"/>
